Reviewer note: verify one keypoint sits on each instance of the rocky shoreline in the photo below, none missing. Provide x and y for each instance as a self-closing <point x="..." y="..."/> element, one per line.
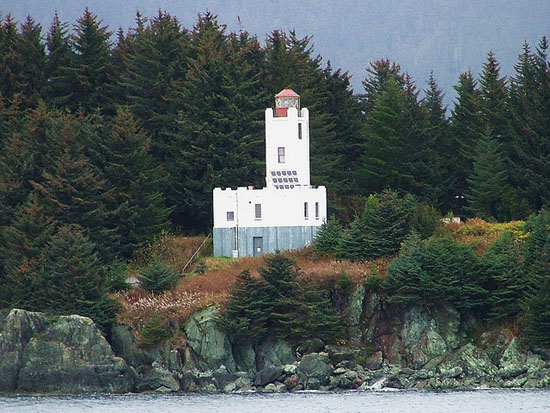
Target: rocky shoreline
<point x="386" y="348"/>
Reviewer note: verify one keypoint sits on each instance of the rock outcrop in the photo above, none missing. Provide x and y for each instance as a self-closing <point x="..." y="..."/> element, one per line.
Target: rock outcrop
<point x="387" y="346"/>
<point x="65" y="356"/>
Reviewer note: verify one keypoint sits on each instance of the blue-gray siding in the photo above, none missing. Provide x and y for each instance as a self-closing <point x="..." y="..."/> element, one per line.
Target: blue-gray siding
<point x="274" y="239"/>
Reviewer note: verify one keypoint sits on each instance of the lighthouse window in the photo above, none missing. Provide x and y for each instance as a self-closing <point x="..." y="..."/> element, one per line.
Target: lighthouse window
<point x="299" y="131"/>
<point x="305" y="210"/>
<point x="281" y="153"/>
<point x="230" y="215"/>
<point x="316" y="210"/>
<point x="258" y="211"/>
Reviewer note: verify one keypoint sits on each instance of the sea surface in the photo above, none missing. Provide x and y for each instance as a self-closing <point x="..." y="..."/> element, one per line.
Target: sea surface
<point x="507" y="401"/>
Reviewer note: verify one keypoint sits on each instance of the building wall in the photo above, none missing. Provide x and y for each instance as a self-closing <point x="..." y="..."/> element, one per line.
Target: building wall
<point x="279" y="208"/>
<point x="273" y="239"/>
<point x="283" y="132"/>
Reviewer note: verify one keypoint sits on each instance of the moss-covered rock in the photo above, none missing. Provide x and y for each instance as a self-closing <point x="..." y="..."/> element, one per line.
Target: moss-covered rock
<point x="210" y="344"/>
<point x="71" y="356"/>
<point x="17" y="329"/>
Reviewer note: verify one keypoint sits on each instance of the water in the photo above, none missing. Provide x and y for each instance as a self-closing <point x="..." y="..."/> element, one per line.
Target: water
<point x="378" y="401"/>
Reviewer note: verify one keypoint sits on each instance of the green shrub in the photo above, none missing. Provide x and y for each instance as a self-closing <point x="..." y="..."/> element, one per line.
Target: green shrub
<point x="153" y="333"/>
<point x="157" y="277"/>
<point x="436" y="272"/>
<point x="292" y="308"/>
<point x="425" y="220"/>
<point x="116" y="279"/>
<point x="327" y="238"/>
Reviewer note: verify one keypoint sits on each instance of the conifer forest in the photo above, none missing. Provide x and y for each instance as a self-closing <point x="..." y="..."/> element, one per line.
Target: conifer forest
<point x="108" y="139"/>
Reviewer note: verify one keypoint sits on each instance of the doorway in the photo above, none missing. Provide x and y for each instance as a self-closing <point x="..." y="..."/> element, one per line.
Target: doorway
<point x="258" y="245"/>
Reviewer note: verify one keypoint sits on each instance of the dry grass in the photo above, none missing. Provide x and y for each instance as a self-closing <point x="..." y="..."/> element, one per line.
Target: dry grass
<point x="480" y="235"/>
<point x="172" y="250"/>
<point x="196" y="291"/>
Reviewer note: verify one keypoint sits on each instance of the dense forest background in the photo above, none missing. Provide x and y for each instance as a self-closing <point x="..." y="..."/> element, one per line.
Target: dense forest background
<point x="108" y="139"/>
<point x="446" y="36"/>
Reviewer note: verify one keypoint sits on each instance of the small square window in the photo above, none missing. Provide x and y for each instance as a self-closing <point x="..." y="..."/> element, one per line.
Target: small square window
<point x="230" y="215"/>
<point x="258" y="211"/>
<point x="281" y="154"/>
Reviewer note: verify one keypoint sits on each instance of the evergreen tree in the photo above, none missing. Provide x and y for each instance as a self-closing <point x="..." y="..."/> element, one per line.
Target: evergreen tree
<point x="530" y="108"/>
<point x="217" y="143"/>
<point x="9" y="58"/>
<point x="21" y="254"/>
<point x="467" y="129"/>
<point x="328" y="237"/>
<point x="87" y="82"/>
<point x="312" y="317"/>
<point x="70" y="280"/>
<point x="489" y="182"/>
<point x="388" y="225"/>
<point x="73" y="194"/>
<point x="438" y="156"/>
<point x="124" y="161"/>
<point x="383" y="146"/>
<point x="31" y="59"/>
<point x="506" y="278"/>
<point x="157" y="278"/>
<point x="60" y="56"/>
<point x="537" y="265"/>
<point x="154" y="58"/>
<point x="352" y="244"/>
<point x="248" y="309"/>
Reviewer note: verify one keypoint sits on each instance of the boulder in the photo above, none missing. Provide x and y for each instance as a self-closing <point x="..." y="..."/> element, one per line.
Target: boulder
<point x="314" y="370"/>
<point x="267" y="375"/>
<point x="274" y="352"/>
<point x="210" y="344"/>
<point x="157" y="378"/>
<point x="71" y="356"/>
<point x="18" y="328"/>
<point x="123" y="342"/>
<point x="274" y="388"/>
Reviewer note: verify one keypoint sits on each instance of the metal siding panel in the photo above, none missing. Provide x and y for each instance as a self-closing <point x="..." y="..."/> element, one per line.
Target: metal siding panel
<point x="274" y="239"/>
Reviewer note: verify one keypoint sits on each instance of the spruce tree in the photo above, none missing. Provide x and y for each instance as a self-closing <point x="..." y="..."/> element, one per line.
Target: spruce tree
<point x="506" y="278"/>
<point x="135" y="184"/>
<point x="60" y="56"/>
<point x="74" y="194"/>
<point x="328" y="237"/>
<point x="23" y="244"/>
<point x="389" y="224"/>
<point x="30" y="74"/>
<point x="87" y="81"/>
<point x="383" y="146"/>
<point x="248" y="309"/>
<point x="467" y="128"/>
<point x="530" y="154"/>
<point x="489" y="181"/>
<point x="70" y="280"/>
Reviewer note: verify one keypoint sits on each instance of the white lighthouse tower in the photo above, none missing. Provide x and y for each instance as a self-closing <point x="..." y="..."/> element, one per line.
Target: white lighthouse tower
<point x="285" y="214"/>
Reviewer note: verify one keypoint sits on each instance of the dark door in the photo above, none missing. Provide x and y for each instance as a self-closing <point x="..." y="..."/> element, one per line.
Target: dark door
<point x="258" y="245"/>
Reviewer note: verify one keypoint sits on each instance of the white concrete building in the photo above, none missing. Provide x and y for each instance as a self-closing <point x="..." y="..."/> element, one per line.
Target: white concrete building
<point x="288" y="211"/>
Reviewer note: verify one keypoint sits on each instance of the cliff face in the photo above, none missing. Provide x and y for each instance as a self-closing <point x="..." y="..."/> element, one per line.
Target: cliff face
<point x="388" y="347"/>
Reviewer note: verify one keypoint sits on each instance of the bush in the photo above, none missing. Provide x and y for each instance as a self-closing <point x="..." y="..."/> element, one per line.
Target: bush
<point x="157" y="278"/>
<point x="293" y="308"/>
<point x="425" y="220"/>
<point x="436" y="272"/>
<point x="116" y="279"/>
<point x="327" y="238"/>
<point x="153" y="333"/>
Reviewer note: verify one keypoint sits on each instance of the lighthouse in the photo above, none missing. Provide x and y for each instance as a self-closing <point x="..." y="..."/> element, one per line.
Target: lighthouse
<point x="288" y="211"/>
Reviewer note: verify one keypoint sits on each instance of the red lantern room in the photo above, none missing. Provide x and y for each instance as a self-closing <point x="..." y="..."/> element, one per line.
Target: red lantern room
<point x="286" y="98"/>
